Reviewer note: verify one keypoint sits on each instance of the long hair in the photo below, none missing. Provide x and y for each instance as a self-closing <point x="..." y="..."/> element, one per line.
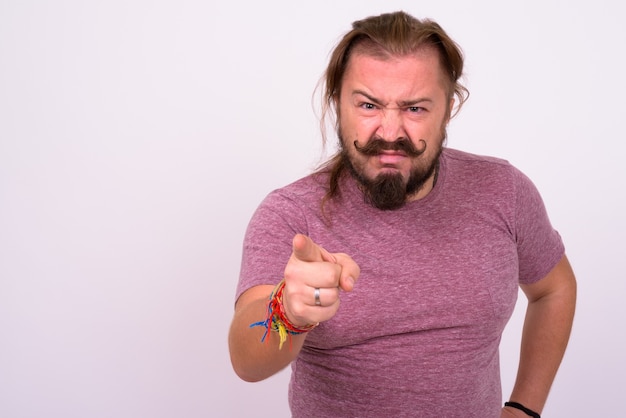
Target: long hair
<point x="389" y="34"/>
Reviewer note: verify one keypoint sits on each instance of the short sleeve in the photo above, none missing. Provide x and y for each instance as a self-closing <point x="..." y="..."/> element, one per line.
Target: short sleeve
<point x="268" y="240"/>
<point x="540" y="246"/>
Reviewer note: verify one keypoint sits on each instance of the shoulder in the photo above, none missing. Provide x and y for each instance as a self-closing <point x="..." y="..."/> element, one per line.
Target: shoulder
<point x="463" y="158"/>
<point x="292" y="206"/>
<point x="304" y="191"/>
<point x="486" y="181"/>
<point x="467" y="167"/>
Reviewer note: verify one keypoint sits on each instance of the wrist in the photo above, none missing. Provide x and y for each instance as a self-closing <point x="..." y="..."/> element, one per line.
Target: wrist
<point x="277" y="320"/>
<point x="519" y="407"/>
<point x="508" y="412"/>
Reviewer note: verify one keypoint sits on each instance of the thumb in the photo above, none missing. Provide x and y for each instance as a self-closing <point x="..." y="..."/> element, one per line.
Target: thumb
<point x="304" y="249"/>
<point x="350" y="271"/>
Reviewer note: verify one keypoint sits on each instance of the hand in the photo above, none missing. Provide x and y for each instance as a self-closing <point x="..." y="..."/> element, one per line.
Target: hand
<point x="311" y="267"/>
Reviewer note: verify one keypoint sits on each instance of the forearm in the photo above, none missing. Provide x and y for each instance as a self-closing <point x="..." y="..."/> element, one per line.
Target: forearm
<point x="310" y="272"/>
<point x="252" y="359"/>
<point x="545" y="336"/>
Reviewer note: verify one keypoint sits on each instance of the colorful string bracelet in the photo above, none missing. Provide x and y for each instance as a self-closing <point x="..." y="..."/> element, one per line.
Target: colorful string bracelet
<point x="276" y="319"/>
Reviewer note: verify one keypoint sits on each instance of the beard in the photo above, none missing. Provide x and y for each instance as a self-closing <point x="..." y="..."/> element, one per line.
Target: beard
<point x="390" y="191"/>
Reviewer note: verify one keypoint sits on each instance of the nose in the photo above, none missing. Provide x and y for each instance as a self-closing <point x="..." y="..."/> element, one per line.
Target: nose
<point x="391" y="126"/>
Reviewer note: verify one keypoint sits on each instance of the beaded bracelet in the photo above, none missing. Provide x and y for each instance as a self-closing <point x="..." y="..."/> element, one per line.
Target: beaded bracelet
<point x="276" y="319"/>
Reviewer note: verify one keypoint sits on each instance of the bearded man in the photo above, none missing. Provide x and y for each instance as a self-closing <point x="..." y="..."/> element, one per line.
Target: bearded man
<point x="439" y="240"/>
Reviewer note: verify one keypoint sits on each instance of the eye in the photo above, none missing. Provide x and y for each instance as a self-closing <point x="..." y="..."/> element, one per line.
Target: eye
<point x="367" y="106"/>
<point x="415" y="109"/>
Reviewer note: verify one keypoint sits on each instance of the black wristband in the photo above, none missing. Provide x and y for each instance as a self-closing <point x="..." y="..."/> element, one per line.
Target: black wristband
<point x="521" y="407"/>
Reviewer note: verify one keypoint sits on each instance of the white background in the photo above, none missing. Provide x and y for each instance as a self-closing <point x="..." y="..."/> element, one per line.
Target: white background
<point x="137" y="138"/>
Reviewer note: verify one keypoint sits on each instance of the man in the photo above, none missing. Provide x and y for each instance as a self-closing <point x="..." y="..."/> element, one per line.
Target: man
<point x="439" y="241"/>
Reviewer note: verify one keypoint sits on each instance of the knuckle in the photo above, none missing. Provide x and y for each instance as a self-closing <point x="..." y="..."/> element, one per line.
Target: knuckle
<point x="297" y="310"/>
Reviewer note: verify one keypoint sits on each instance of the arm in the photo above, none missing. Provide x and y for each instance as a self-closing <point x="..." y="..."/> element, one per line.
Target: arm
<point x="308" y="268"/>
<point x="253" y="360"/>
<point x="549" y="316"/>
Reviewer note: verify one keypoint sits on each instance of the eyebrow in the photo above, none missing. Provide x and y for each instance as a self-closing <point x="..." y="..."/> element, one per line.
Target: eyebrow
<point x="403" y="103"/>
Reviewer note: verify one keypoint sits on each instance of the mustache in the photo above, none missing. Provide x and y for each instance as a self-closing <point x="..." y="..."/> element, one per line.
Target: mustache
<point x="376" y="146"/>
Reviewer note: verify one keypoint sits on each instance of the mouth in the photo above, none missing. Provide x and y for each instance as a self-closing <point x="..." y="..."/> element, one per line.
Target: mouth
<point x="391" y="158"/>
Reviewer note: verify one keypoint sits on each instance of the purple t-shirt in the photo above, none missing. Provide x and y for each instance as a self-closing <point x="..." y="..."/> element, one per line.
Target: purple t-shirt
<point x="419" y="334"/>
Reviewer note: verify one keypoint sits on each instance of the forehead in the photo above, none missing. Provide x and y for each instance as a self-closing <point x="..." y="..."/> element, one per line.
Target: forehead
<point x="395" y="77"/>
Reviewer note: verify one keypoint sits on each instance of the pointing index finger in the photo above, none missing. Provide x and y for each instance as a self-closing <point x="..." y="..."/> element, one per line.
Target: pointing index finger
<point x="304" y="249"/>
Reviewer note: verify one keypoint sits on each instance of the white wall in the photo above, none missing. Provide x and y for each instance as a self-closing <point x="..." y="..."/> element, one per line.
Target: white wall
<point x="137" y="137"/>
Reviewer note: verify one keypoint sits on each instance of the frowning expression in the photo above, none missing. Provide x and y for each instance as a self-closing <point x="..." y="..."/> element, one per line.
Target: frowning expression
<point x="390" y="101"/>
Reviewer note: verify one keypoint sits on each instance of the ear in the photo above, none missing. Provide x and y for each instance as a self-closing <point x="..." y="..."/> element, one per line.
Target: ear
<point x="336" y="103"/>
<point x="336" y="100"/>
<point x="450" y="109"/>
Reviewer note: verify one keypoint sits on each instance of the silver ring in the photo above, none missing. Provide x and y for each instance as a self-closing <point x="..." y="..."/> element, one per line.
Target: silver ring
<point x="318" y="302"/>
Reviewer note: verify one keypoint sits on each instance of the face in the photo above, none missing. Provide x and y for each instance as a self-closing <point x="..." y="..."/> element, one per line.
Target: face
<point x="392" y="118"/>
